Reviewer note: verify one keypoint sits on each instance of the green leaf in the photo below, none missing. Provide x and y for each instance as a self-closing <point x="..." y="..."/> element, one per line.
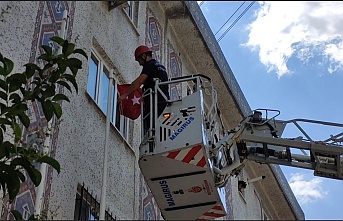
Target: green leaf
<point x="62" y="67"/>
<point x="65" y="84"/>
<point x="3" y="95"/>
<point x="2" y="152"/>
<point x="24" y="119"/>
<point x="57" y="39"/>
<point x="15" y="81"/>
<point x="59" y="97"/>
<point x="57" y="109"/>
<point x="16" y="130"/>
<point x="17" y="215"/>
<point x="74" y="70"/>
<point x="5" y="121"/>
<point x="17" y="77"/>
<point x="12" y="180"/>
<point x="38" y="176"/>
<point x="2" y="71"/>
<point x="20" y="175"/>
<point x="18" y="109"/>
<point x="34" y="176"/>
<point x="47" y="109"/>
<point x="14" y="85"/>
<point x="15" y="97"/>
<point x="52" y="162"/>
<point x="6" y="147"/>
<point x="68" y="50"/>
<point x="3" y="85"/>
<point x="47" y="49"/>
<point x="48" y="92"/>
<point x="8" y="66"/>
<point x="71" y="79"/>
<point x="31" y="69"/>
<point x="47" y="66"/>
<point x="80" y="51"/>
<point x="73" y="62"/>
<point x="32" y="66"/>
<point x="3" y="186"/>
<point x="45" y="57"/>
<point x="54" y="76"/>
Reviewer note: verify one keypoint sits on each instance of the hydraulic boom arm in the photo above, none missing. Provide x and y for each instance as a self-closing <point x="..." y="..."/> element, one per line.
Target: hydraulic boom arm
<point x="258" y="138"/>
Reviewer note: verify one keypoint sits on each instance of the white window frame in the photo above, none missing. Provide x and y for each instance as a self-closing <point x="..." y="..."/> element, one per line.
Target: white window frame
<point x="131" y="10"/>
<point x="124" y="122"/>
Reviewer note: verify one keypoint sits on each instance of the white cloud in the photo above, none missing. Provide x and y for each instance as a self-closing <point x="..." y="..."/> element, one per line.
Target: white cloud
<point x="301" y="29"/>
<point x="306" y="191"/>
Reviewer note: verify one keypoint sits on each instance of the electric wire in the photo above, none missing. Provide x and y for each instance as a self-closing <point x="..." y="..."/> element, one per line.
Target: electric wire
<point x="237" y="19"/>
<point x="201" y="3"/>
<point x="229" y="18"/>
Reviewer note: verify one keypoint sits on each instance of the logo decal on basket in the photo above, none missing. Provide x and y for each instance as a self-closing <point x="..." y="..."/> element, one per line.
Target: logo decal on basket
<point x="195" y="189"/>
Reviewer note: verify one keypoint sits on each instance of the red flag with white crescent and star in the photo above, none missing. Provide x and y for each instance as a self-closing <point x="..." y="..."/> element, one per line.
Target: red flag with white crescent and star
<point x="131" y="106"/>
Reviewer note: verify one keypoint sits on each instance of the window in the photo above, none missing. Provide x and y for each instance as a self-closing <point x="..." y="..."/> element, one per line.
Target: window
<point x="131" y="9"/>
<point x="97" y="88"/>
<point x="86" y="207"/>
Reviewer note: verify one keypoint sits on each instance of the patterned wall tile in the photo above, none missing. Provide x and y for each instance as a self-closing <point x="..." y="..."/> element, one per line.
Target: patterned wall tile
<point x="174" y="70"/>
<point x="48" y="24"/>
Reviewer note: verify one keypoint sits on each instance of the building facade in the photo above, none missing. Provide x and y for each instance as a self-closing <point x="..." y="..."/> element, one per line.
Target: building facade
<point x="109" y="32"/>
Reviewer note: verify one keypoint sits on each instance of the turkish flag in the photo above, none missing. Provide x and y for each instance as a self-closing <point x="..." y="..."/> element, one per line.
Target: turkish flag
<point x="131" y="106"/>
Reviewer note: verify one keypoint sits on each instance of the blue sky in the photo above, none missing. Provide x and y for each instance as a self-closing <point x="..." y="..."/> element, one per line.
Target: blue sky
<point x="289" y="56"/>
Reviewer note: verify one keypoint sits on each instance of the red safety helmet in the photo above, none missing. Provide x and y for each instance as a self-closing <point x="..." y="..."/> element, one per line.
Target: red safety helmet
<point x="141" y="50"/>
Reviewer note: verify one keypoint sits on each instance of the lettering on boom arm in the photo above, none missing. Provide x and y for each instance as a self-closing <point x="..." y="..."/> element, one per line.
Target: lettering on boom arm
<point x="166" y="192"/>
<point x="182" y="128"/>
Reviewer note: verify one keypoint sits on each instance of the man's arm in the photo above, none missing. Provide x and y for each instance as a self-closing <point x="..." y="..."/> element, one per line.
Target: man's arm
<point x="134" y="86"/>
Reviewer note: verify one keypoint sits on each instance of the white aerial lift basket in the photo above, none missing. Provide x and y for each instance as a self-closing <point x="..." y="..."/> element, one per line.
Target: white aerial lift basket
<point x="175" y="160"/>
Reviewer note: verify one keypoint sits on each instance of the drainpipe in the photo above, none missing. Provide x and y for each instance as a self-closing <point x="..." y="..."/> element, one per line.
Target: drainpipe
<point x="46" y="149"/>
<point x="104" y="174"/>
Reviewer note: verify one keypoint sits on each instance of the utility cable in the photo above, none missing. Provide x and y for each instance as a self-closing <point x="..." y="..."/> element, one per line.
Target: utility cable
<point x="201" y="3"/>
<point x="229" y="18"/>
<point x="237" y="19"/>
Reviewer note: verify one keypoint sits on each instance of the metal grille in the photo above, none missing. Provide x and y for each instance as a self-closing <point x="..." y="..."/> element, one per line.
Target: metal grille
<point x="87" y="207"/>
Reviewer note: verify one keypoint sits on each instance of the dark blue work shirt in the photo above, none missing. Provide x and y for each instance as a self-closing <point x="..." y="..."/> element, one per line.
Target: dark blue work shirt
<point x="154" y="69"/>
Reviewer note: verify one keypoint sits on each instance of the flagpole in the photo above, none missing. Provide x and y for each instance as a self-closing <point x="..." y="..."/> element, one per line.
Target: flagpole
<point x="104" y="174"/>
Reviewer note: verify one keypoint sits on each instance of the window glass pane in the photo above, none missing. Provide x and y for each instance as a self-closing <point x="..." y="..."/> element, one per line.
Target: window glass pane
<point x="117" y="124"/>
<point x="129" y="8"/>
<point x="125" y="127"/>
<point x="92" y="73"/>
<point x="104" y="81"/>
<point x="114" y="101"/>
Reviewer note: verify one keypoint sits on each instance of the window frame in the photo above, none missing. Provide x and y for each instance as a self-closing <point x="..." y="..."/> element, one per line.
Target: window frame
<point x="123" y="125"/>
<point x="131" y="10"/>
